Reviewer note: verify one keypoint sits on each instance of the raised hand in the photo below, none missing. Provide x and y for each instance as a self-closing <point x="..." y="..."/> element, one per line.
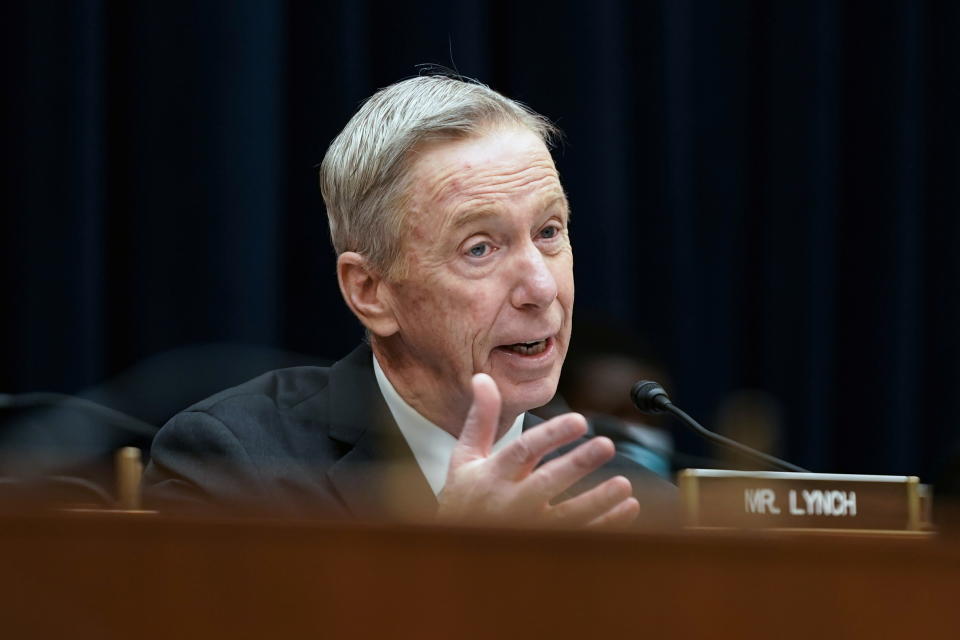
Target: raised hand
<point x="508" y="487"/>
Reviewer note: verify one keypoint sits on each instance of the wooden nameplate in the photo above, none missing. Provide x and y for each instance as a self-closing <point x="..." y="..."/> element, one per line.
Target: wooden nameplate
<point x="716" y="499"/>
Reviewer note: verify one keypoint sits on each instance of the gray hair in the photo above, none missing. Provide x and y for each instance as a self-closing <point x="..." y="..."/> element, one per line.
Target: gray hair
<point x="363" y="177"/>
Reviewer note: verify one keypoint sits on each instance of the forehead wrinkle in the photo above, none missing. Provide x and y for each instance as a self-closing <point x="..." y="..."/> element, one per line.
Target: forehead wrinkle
<point x="487" y="198"/>
<point x="477" y="181"/>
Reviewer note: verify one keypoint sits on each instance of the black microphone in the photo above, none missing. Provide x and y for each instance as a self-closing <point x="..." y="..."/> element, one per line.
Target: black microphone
<point x="649" y="397"/>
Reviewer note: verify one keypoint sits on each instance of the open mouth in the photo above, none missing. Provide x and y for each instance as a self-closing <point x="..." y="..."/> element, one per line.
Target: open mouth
<point x="527" y="348"/>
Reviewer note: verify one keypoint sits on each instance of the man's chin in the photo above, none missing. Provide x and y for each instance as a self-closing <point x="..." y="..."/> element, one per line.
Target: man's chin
<point x="518" y="398"/>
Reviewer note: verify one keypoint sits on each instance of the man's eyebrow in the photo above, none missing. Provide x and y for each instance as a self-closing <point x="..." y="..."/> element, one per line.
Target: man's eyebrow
<point x="558" y="204"/>
<point x="483" y="212"/>
<point x="471" y="216"/>
<point x="564" y="204"/>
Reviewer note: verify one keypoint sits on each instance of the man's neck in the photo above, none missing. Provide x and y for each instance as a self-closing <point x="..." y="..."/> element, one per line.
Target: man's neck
<point x="437" y="403"/>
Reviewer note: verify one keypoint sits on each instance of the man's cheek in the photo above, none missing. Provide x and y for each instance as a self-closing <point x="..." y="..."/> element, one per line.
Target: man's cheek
<point x="478" y="301"/>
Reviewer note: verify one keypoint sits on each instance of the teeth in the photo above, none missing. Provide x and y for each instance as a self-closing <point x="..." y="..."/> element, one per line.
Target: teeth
<point x="529" y="348"/>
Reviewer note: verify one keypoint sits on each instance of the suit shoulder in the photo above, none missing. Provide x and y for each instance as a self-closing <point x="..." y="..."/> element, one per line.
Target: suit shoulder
<point x="283" y="388"/>
<point x="234" y="446"/>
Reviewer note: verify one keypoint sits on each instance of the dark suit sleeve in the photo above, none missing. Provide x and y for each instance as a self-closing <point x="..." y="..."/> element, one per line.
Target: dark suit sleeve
<point x="197" y="460"/>
<point x="659" y="500"/>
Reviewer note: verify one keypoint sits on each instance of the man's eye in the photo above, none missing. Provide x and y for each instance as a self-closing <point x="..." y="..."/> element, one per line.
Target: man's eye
<point x="549" y="232"/>
<point x="479" y="250"/>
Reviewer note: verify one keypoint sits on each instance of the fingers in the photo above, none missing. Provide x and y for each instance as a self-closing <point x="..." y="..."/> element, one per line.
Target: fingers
<point x="480" y="427"/>
<point x="606" y="500"/>
<point x="561" y="473"/>
<point x="620" y="516"/>
<point x="519" y="458"/>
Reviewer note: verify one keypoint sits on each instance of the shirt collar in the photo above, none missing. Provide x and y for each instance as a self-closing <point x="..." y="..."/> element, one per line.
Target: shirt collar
<point x="432" y="446"/>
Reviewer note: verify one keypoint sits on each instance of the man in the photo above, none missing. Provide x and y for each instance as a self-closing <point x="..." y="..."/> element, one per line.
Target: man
<point x="451" y="230"/>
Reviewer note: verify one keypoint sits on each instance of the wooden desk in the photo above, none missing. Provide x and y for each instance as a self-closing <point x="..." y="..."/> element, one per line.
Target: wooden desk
<point x="111" y="576"/>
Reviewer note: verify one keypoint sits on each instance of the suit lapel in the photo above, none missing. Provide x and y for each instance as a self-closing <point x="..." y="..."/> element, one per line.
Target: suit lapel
<point x="378" y="476"/>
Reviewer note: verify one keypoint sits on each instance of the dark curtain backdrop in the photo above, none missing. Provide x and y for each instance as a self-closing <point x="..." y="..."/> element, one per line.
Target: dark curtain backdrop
<point x="766" y="191"/>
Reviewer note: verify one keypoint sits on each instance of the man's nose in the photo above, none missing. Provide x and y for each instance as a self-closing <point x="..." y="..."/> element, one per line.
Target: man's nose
<point x="534" y="283"/>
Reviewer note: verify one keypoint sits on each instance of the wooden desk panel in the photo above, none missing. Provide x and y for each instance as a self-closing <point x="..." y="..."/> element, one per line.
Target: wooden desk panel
<point x="146" y="577"/>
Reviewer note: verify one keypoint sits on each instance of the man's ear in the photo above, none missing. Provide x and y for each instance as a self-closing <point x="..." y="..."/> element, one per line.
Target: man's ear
<point x="365" y="292"/>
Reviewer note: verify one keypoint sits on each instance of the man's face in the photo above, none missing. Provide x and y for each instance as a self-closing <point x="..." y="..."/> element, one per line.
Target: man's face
<point x="488" y="284"/>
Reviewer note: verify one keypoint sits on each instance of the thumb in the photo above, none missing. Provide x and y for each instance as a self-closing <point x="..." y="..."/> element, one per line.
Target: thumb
<point x="480" y="427"/>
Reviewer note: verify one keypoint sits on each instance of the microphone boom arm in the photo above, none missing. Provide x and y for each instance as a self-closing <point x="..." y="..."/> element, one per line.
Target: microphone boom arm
<point x="728" y="443"/>
<point x="649" y="397"/>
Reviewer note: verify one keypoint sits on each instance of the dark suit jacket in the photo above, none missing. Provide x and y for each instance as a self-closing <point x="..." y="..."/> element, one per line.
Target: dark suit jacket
<point x="313" y="441"/>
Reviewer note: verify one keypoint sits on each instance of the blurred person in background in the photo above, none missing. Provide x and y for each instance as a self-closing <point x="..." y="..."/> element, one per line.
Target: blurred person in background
<point x="604" y="363"/>
<point x="53" y="440"/>
<point x="752" y="417"/>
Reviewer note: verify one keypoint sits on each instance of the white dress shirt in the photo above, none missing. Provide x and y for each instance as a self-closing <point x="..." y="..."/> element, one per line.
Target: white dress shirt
<point x="431" y="445"/>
